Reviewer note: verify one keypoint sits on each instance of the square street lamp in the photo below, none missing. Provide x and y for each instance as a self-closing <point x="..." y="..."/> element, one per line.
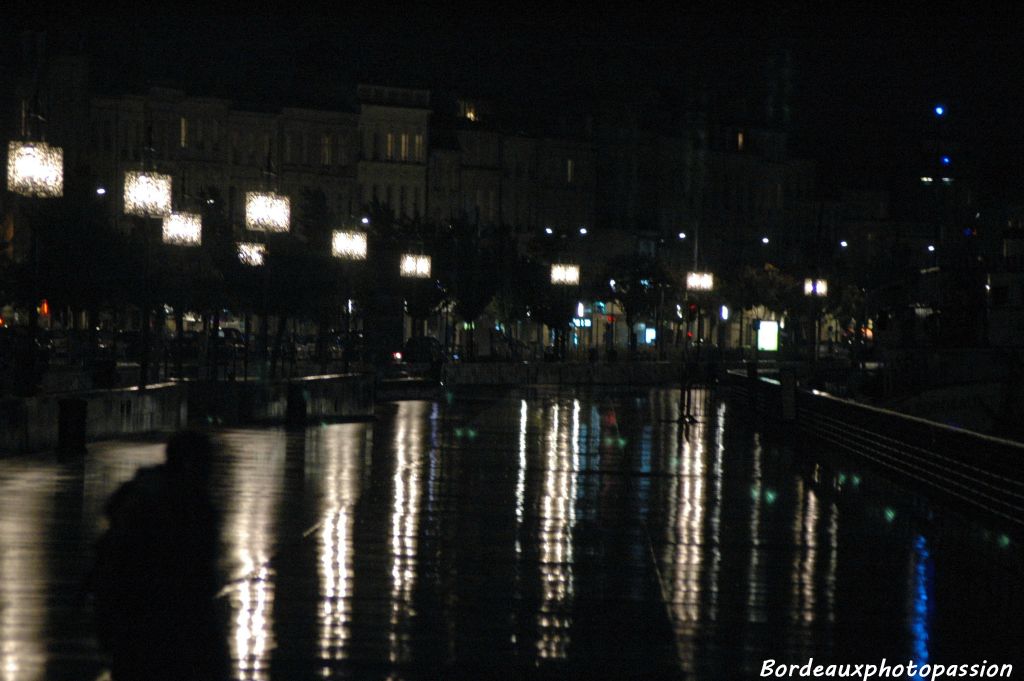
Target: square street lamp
<point x="183" y="229"/>
<point x="413" y="265"/>
<point x="251" y="254"/>
<point x="700" y="281"/>
<point x="565" y="275"/>
<point x="267" y="212"/>
<point x="35" y="169"/>
<point x="348" y="245"/>
<point x="815" y="287"/>
<point x="147" y="194"/>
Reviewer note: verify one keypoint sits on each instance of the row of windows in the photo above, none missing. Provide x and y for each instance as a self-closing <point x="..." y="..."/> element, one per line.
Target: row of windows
<point x="394" y="146"/>
<point x="325" y="149"/>
<point x="403" y="201"/>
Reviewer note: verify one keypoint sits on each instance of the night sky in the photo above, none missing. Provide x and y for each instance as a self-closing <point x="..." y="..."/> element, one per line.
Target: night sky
<point x="864" y="84"/>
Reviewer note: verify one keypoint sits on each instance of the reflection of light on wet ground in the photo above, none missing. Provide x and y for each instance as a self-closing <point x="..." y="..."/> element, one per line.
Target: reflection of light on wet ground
<point x="405" y="519"/>
<point x="715" y="522"/>
<point x="340" y="478"/>
<point x="922" y="597"/>
<point x="755" y="579"/>
<point x="25" y="498"/>
<point x="805" y="557"/>
<point x="521" y="476"/>
<point x="254" y="480"/>
<point x="558" y="518"/>
<point x="686" y="510"/>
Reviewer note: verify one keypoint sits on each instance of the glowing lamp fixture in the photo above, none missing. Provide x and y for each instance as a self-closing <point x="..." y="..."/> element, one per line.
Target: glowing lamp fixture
<point x="348" y="245"/>
<point x="682" y="235"/>
<point x="931" y="248"/>
<point x="35" y="169"/>
<point x="183" y="229"/>
<point x="699" y="281"/>
<point x="251" y="253"/>
<point x="843" y="244"/>
<point x="417" y="266"/>
<point x="565" y="275"/>
<point x="267" y="212"/>
<point x="146" y="194"/>
<point x="764" y="240"/>
<point x="815" y="287"/>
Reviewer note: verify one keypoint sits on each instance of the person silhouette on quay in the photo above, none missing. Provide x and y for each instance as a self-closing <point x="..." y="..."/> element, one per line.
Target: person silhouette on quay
<point x="155" y="577"/>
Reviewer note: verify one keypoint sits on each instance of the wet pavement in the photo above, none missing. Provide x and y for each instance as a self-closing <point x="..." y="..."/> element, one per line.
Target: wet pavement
<point x="531" y="535"/>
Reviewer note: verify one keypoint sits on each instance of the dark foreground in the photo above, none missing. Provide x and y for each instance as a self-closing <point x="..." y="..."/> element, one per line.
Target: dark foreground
<point x="531" y="535"/>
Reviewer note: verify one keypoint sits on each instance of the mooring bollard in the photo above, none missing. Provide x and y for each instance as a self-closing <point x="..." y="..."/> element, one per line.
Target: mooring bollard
<point x="71" y="426"/>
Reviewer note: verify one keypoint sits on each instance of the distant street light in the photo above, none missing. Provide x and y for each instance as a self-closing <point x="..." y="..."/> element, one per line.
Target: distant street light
<point x="267" y="212"/>
<point x="565" y="275"/>
<point x="252" y="254"/>
<point x="348" y="245"/>
<point x="415" y="266"/>
<point x="583" y="231"/>
<point x="35" y="169"/>
<point x="940" y="110"/>
<point x="699" y="281"/>
<point x="843" y="244"/>
<point x="147" y="194"/>
<point x="682" y="235"/>
<point x="815" y="287"/>
<point x="101" y="191"/>
<point x="183" y="229"/>
<point x="764" y="240"/>
<point x="366" y="221"/>
<point x="931" y="248"/>
<point x="549" y="231"/>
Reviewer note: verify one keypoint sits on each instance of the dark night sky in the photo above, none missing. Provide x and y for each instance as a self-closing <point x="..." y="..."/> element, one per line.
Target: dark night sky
<point x="864" y="83"/>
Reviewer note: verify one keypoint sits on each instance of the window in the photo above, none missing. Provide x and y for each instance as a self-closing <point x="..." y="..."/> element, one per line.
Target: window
<point x="389" y="154"/>
<point x="569" y="171"/>
<point x="418" y="147"/>
<point x="739" y="141"/>
<point x="183" y="133"/>
<point x="325" y="150"/>
<point x="405" y="146"/>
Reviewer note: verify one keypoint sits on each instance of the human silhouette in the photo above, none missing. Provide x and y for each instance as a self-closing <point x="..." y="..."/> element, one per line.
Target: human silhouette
<point x="155" y="576"/>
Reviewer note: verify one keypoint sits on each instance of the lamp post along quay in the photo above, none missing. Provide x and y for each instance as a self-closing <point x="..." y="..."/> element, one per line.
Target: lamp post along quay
<point x="348" y="246"/>
<point x="182" y="230"/>
<point x="564" y="275"/>
<point x="815" y="290"/>
<point x="35" y="170"/>
<point x="697" y="283"/>
<point x="147" y="195"/>
<point x="266" y="211"/>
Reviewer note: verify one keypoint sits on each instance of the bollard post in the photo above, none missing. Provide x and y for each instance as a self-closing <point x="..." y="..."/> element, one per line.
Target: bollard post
<point x="295" y="409"/>
<point x="71" y="426"/>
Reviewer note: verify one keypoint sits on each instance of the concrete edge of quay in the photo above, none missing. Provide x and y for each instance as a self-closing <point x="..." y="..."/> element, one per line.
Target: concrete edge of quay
<point x="67" y="421"/>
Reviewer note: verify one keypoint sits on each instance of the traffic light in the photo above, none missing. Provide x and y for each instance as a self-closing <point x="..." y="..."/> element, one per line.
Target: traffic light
<point x="691" y="312"/>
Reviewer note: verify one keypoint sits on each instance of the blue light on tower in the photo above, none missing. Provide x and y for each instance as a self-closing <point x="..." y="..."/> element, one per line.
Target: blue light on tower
<point x="940" y="110"/>
<point x="946" y="160"/>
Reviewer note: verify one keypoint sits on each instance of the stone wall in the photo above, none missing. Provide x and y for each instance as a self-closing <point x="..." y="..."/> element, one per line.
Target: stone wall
<point x="31" y="424"/>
